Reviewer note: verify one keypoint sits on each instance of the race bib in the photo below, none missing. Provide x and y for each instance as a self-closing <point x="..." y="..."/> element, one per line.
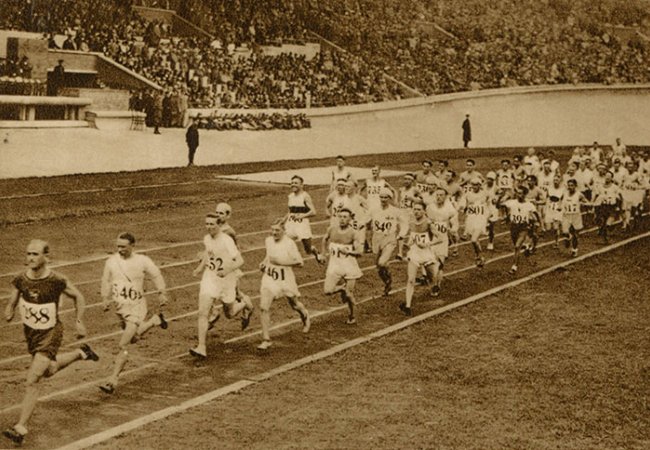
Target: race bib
<point x="125" y="293"/>
<point x="38" y="316"/>
<point x="274" y="272"/>
<point x="340" y="250"/>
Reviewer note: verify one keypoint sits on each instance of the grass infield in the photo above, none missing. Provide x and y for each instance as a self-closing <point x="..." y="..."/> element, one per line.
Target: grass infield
<point x="559" y="362"/>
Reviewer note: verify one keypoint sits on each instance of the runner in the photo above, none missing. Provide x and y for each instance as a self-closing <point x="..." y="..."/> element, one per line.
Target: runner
<point x="466" y="177"/>
<point x="522" y="214"/>
<point x="278" y="280"/>
<point x="301" y="208"/>
<point x="494" y="194"/>
<point x="223" y="212"/>
<point x="572" y="215"/>
<point x="37" y="293"/>
<point x="387" y="226"/>
<point x="608" y="201"/>
<point x="340" y="172"/>
<point x="445" y="222"/>
<point x="420" y="253"/>
<point x="123" y="284"/>
<point x="343" y="244"/>
<point x="219" y="265"/>
<point x="337" y="200"/>
<point x="475" y="205"/>
<point x="553" y="208"/>
<point x="372" y="187"/>
<point x="633" y="192"/>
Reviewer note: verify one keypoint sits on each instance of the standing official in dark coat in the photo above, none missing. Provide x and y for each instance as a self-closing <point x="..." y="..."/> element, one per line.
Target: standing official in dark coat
<point x="467" y="131"/>
<point x="192" y="139"/>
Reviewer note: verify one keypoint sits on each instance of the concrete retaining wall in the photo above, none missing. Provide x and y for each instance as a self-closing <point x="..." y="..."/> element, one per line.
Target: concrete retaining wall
<point x="520" y="117"/>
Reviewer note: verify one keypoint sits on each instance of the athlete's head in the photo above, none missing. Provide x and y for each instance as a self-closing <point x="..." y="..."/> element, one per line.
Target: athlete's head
<point x="602" y="169"/>
<point x="546" y="166"/>
<point x="531" y="151"/>
<point x="296" y="183"/>
<point x="418" y="209"/>
<point x="341" y="185"/>
<point x="571" y="185"/>
<point x="223" y="211"/>
<point x="38" y="251"/>
<point x="409" y="179"/>
<point x="375" y="171"/>
<point x="426" y="165"/>
<point x="532" y="180"/>
<point x="344" y="215"/>
<point x="475" y="184"/>
<point x="609" y="177"/>
<point x="617" y="163"/>
<point x="212" y="223"/>
<point x="470" y="163"/>
<point x="125" y="242"/>
<point x="340" y="161"/>
<point x="450" y="175"/>
<point x="505" y="164"/>
<point x="490" y="178"/>
<point x="516" y="161"/>
<point x="277" y="228"/>
<point x="442" y="165"/>
<point x="557" y="180"/>
<point x="440" y="195"/>
<point x="572" y="168"/>
<point x="521" y="193"/>
<point x="385" y="195"/>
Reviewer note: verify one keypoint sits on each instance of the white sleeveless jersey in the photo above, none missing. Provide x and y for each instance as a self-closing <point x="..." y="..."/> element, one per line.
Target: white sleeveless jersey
<point x="126" y="276"/>
<point x="219" y="251"/>
<point x="571" y="203"/>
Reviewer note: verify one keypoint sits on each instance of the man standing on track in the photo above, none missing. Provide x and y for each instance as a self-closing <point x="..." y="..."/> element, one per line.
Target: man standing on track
<point x="123" y="284"/>
<point x="301" y="208"/>
<point x="220" y="263"/>
<point x="278" y="279"/>
<point x="37" y="293"/>
<point x="343" y="246"/>
<point x="467" y="131"/>
<point x="387" y="226"/>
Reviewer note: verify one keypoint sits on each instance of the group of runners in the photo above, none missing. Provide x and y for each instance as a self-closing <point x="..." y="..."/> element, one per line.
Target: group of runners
<point x="418" y="223"/>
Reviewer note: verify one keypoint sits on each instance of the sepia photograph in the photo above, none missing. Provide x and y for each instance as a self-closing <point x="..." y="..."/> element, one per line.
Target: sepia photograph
<point x="325" y="224"/>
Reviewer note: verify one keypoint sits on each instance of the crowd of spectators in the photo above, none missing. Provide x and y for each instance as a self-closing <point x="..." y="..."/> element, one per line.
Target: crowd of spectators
<point x="255" y="122"/>
<point x="493" y="43"/>
<point x="16" y="78"/>
<point x="489" y="44"/>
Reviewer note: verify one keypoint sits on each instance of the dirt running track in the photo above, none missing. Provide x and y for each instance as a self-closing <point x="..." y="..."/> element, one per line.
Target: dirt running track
<point x="160" y="373"/>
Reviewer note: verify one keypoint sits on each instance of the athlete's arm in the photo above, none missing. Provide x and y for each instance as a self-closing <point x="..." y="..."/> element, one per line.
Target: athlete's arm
<point x="328" y="205"/>
<point x="202" y="263"/>
<point x="325" y="242"/>
<point x="11" y="306"/>
<point x="309" y="203"/>
<point x="158" y="281"/>
<point x="79" y="306"/>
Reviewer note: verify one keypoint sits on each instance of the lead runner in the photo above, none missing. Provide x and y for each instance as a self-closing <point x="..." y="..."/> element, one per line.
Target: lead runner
<point x="37" y="292"/>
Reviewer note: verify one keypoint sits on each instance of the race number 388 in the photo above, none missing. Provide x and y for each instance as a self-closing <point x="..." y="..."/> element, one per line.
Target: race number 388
<point x="38" y="316"/>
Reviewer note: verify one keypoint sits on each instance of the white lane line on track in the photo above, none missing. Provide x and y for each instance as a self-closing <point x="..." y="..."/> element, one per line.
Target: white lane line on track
<point x="146" y="250"/>
<point x="258" y="332"/>
<point x="241" y="384"/>
<point x="196" y="283"/>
